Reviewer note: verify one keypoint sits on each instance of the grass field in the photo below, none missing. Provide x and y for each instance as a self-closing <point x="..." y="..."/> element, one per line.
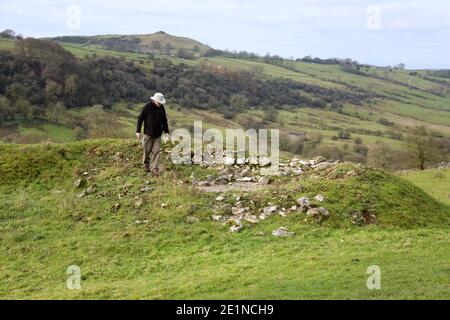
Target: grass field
<point x="404" y="97"/>
<point x="435" y="182"/>
<point x="45" y="228"/>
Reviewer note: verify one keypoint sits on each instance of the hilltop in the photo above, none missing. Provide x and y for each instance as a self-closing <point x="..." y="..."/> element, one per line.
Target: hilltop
<point x="89" y="204"/>
<point x="158" y="42"/>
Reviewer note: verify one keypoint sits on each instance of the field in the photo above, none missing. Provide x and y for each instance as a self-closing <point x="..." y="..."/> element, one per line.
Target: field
<point x="435" y="182"/>
<point x="405" y="98"/>
<point x="46" y="227"/>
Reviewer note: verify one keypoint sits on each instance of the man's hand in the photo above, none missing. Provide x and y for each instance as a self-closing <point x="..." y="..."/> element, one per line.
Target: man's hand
<point x="165" y="138"/>
<point x="138" y="135"/>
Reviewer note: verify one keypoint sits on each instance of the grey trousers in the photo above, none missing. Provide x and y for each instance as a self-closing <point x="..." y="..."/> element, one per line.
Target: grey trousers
<point x="152" y="148"/>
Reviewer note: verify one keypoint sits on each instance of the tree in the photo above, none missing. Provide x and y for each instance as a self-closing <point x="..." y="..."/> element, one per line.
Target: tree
<point x="8" y="33"/>
<point x="238" y="102"/>
<point x="185" y="54"/>
<point x="70" y="87"/>
<point x="55" y="111"/>
<point x="52" y="90"/>
<point x="5" y="109"/>
<point x="23" y="107"/>
<point x="422" y="148"/>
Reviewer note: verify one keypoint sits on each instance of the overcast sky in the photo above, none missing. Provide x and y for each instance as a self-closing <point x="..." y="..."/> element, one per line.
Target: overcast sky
<point x="415" y="32"/>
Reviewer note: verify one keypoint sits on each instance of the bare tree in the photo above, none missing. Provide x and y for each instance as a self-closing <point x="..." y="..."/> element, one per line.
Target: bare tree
<point x="422" y="148"/>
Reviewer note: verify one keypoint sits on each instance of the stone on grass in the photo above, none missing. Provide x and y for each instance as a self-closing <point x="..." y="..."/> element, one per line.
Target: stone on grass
<point x="235" y="225"/>
<point x="319" y="198"/>
<point x="251" y="219"/>
<point x="282" y="232"/>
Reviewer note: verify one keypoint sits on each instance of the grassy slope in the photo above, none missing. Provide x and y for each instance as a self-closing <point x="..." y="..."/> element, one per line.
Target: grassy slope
<point x="405" y="106"/>
<point x="45" y="228"/>
<point x="436" y="182"/>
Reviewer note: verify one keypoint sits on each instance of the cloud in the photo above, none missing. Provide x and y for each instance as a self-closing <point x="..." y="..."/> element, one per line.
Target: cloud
<point x="325" y="28"/>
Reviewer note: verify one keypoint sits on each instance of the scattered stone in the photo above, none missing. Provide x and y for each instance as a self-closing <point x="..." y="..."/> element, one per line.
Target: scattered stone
<point x="146" y="189"/>
<point x="92" y="189"/>
<point x="304" y="203"/>
<point x="115" y="207"/>
<point x="319" y="198"/>
<point x="282" y="213"/>
<point x="320" y="159"/>
<point x="323" y="212"/>
<point x="164" y="205"/>
<point x="79" y="183"/>
<point x="352" y="173"/>
<point x="246" y="172"/>
<point x="141" y="222"/>
<point x="81" y="195"/>
<point x="322" y="165"/>
<point x="217" y="217"/>
<point x="251" y="219"/>
<point x="220" y="198"/>
<point x="264" y="161"/>
<point x="229" y="161"/>
<point x="236" y="224"/>
<point x="319" y="213"/>
<point x="264" y="181"/>
<point x="282" y="232"/>
<point x="268" y="211"/>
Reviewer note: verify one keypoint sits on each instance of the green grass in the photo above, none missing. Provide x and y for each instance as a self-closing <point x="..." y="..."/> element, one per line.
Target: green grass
<point x="435" y="182"/>
<point x="49" y="130"/>
<point x="45" y="228"/>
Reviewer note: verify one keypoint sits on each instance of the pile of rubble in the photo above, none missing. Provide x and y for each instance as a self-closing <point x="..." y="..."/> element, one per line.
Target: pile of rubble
<point x="239" y="213"/>
<point x="249" y="170"/>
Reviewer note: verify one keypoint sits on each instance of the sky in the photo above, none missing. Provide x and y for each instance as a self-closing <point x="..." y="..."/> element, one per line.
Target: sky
<point x="415" y="32"/>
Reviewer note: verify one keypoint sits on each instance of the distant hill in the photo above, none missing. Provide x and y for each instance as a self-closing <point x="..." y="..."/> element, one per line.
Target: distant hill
<point x="158" y="42"/>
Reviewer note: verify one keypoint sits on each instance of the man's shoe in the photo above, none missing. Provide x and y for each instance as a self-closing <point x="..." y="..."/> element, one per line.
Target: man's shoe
<point x="146" y="167"/>
<point x="156" y="172"/>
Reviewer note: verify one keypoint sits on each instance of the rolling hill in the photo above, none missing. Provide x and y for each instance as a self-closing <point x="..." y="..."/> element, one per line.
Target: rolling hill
<point x="395" y="100"/>
<point x="157" y="42"/>
<point x="217" y="232"/>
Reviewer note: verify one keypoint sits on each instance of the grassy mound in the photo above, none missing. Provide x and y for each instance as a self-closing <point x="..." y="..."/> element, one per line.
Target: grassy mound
<point x="354" y="195"/>
<point x="156" y="237"/>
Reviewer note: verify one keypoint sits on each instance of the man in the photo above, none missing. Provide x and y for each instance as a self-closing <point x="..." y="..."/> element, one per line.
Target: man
<point x="155" y="123"/>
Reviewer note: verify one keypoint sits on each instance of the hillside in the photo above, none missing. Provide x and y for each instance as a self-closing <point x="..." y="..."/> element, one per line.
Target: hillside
<point x="89" y="204"/>
<point x="342" y="111"/>
<point x="158" y="42"/>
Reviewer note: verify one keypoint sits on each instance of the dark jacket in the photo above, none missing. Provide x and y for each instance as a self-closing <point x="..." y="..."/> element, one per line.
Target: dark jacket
<point x="155" y="120"/>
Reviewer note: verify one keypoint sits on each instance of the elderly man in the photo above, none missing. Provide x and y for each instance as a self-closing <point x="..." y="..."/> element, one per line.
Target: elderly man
<point x="153" y="115"/>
